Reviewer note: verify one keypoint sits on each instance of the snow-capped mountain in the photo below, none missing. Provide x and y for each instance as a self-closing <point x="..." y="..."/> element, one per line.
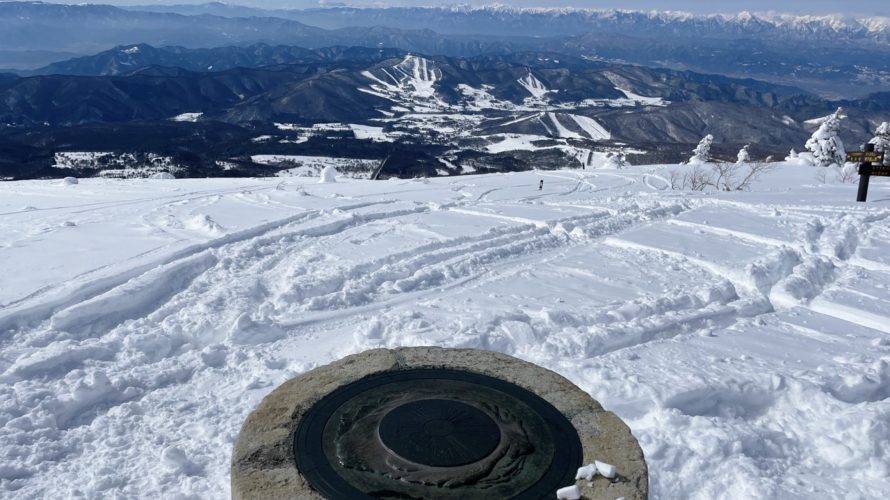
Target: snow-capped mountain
<point x="832" y="56"/>
<point x="500" y="19"/>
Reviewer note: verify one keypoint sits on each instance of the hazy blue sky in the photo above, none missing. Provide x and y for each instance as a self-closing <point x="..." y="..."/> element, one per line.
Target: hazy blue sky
<point x="849" y="7"/>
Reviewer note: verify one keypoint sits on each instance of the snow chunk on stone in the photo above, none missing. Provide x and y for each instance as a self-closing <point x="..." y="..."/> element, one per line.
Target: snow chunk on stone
<point x="607" y="470"/>
<point x="162" y="175"/>
<point x="329" y="174"/>
<point x="70" y="180"/>
<point x="586" y="472"/>
<point x="568" y="493"/>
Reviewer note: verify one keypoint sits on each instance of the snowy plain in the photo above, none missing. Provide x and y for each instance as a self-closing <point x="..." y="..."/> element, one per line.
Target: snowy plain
<point x="744" y="337"/>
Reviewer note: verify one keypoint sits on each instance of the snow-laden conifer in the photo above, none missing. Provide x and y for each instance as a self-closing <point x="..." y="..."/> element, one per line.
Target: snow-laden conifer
<point x="702" y="152"/>
<point x="744" y="156"/>
<point x="881" y="140"/>
<point x="825" y="144"/>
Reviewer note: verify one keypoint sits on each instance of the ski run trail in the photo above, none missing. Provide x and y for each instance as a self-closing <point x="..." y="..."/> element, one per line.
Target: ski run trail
<point x="744" y="337"/>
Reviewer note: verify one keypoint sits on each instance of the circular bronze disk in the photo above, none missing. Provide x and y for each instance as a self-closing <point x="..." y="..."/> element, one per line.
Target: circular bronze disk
<point x="439" y="433"/>
<point x="435" y="434"/>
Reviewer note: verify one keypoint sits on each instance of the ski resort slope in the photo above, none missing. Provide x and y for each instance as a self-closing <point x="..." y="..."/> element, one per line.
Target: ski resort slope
<point x="744" y="337"/>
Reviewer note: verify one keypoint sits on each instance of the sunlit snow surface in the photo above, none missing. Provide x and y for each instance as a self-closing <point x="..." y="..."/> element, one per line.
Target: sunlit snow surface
<point x="744" y="337"/>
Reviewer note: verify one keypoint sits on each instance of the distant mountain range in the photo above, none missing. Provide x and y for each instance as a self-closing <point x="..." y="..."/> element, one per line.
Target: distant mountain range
<point x="503" y="20"/>
<point x="128" y="58"/>
<point x="227" y="90"/>
<point x="421" y="115"/>
<point x="830" y="56"/>
<point x="280" y="83"/>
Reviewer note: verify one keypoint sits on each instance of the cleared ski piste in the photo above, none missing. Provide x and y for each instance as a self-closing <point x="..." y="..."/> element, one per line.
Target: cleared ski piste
<point x="744" y="337"/>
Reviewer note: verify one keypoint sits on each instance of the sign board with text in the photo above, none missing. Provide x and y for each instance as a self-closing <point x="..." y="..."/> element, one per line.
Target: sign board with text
<point x="870" y="163"/>
<point x="878" y="170"/>
<point x="865" y="156"/>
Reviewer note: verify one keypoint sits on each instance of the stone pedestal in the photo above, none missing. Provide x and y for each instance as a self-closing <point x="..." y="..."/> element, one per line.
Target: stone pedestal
<point x="264" y="464"/>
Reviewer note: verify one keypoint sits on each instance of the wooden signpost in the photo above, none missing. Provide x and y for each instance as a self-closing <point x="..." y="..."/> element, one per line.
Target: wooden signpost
<point x="866" y="160"/>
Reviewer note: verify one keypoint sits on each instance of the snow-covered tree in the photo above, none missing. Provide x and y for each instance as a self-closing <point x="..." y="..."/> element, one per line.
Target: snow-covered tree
<point x="743" y="156"/>
<point x="615" y="160"/>
<point x="702" y="152"/>
<point x="792" y="155"/>
<point x="826" y="144"/>
<point x="881" y="140"/>
<point x="329" y="174"/>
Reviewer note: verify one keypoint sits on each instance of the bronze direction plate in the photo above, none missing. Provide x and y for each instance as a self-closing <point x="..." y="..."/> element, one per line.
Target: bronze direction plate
<point x="435" y="434"/>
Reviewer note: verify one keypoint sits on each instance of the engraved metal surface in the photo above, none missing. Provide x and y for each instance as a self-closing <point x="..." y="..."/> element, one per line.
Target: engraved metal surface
<point x="439" y="433"/>
<point x="435" y="434"/>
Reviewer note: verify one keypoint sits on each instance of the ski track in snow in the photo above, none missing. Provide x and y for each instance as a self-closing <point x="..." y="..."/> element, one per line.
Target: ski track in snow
<point x="742" y="336"/>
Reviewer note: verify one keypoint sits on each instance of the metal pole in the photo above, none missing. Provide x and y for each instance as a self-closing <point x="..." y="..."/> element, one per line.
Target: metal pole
<point x="864" y="176"/>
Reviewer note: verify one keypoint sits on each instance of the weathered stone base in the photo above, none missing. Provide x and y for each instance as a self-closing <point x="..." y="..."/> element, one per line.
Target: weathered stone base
<point x="263" y="465"/>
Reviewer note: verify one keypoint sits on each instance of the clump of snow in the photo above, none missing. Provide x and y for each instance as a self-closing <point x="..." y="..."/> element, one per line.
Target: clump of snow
<point x="203" y="223"/>
<point x="328" y="175"/>
<point x="70" y="180"/>
<point x="586" y="472"/>
<point x="246" y="331"/>
<point x="568" y="493"/>
<point x="162" y="175"/>
<point x="606" y="470"/>
<point x="175" y="461"/>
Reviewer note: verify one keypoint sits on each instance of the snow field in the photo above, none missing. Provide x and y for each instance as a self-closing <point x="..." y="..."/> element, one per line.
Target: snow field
<point x="742" y="336"/>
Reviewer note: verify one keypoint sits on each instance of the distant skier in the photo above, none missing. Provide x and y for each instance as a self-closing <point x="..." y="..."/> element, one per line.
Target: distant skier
<point x="541" y="185"/>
